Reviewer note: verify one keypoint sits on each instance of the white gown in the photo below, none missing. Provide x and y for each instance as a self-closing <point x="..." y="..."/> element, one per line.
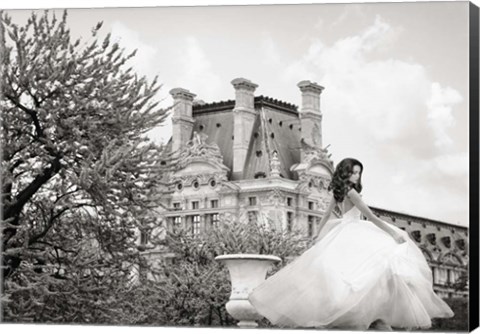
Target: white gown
<point x="355" y="274"/>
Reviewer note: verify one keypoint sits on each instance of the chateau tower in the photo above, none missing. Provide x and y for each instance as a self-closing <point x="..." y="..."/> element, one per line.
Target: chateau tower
<point x="310" y="114"/>
<point x="243" y="120"/>
<point x="182" y="120"/>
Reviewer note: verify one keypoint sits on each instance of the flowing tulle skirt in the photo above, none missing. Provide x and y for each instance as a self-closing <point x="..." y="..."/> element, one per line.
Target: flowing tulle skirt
<point x="354" y="275"/>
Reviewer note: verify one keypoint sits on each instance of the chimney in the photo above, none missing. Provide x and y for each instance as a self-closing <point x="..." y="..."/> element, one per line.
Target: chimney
<point x="310" y="114"/>
<point x="243" y="119"/>
<point x="182" y="120"/>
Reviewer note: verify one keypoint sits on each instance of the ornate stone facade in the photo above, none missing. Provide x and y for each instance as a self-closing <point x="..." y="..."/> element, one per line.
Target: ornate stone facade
<point x="263" y="159"/>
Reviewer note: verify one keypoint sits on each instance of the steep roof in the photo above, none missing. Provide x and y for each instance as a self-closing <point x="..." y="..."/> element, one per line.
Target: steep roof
<point x="273" y="130"/>
<point x="276" y="127"/>
<point x="218" y="126"/>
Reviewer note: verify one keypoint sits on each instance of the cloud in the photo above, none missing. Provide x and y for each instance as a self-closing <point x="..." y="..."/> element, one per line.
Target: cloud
<point x="197" y="75"/>
<point x="392" y="98"/>
<point x="387" y="112"/>
<point x="272" y="54"/>
<point x="452" y="165"/>
<point x="351" y="12"/>
<point x="440" y="111"/>
<point x="197" y="71"/>
<point x="144" y="63"/>
<point x="320" y="24"/>
<point x="432" y="188"/>
<point x="144" y="60"/>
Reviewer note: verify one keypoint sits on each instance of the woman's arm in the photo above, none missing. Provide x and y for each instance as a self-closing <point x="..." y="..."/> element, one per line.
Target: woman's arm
<point x="357" y="200"/>
<point x="326" y="215"/>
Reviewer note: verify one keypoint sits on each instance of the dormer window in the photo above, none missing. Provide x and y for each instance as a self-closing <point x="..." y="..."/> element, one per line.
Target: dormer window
<point x="446" y="242"/>
<point x="432" y="239"/>
<point x="416" y="235"/>
<point x="260" y="175"/>
<point x="460" y="243"/>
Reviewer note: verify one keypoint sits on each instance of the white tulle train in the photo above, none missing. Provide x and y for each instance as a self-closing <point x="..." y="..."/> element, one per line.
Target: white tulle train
<point x="354" y="275"/>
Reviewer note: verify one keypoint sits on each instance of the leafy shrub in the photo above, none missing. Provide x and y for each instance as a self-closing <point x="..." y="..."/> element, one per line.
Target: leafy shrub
<point x="195" y="287"/>
<point x="459" y="322"/>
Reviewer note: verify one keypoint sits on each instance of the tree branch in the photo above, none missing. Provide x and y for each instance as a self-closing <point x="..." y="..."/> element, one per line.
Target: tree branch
<point x="30" y="112"/>
<point x="51" y="221"/>
<point x="25" y="195"/>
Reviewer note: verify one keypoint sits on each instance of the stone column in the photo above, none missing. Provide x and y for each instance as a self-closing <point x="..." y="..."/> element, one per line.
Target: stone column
<point x="203" y="224"/>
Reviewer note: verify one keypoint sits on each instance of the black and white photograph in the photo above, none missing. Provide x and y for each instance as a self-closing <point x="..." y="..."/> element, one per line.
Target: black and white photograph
<point x="294" y="166"/>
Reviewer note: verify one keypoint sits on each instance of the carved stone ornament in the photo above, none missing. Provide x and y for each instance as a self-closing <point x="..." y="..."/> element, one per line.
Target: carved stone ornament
<point x="314" y="154"/>
<point x="202" y="179"/>
<point x="323" y="204"/>
<point x="309" y="182"/>
<point x="274" y="197"/>
<point x="428" y="255"/>
<point x="433" y="249"/>
<point x="451" y="259"/>
<point x="275" y="165"/>
<point x="198" y="149"/>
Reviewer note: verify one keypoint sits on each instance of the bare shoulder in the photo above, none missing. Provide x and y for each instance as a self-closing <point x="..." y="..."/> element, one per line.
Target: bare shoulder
<point x="353" y="193"/>
<point x="354" y="196"/>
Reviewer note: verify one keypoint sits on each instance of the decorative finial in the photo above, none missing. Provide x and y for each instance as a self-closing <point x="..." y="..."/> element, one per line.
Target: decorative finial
<point x="275" y="165"/>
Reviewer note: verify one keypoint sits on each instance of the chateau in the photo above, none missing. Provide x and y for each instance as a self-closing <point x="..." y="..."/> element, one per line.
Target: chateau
<point x="260" y="158"/>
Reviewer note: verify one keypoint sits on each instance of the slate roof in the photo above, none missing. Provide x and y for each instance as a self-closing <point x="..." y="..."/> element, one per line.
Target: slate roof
<point x="276" y="127"/>
<point x="273" y="131"/>
<point x="218" y="125"/>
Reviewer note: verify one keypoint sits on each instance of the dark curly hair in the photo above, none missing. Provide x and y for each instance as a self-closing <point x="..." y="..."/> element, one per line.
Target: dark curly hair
<point x="340" y="183"/>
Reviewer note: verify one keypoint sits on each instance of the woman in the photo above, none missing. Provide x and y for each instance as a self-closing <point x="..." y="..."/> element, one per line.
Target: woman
<point x="357" y="273"/>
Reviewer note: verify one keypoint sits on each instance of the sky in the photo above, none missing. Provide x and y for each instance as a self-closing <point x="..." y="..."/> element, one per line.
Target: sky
<point x="395" y="78"/>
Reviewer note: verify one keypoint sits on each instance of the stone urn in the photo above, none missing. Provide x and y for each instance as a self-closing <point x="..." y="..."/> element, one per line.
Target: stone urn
<point x="247" y="271"/>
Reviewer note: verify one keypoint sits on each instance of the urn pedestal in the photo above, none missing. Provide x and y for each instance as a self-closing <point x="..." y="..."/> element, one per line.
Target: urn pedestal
<point x="247" y="271"/>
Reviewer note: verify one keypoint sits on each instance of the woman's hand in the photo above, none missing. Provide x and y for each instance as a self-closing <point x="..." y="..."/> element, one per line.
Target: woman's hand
<point x="357" y="200"/>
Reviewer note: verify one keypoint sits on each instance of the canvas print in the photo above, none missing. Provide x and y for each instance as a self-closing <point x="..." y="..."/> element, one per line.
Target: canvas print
<point x="264" y="166"/>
